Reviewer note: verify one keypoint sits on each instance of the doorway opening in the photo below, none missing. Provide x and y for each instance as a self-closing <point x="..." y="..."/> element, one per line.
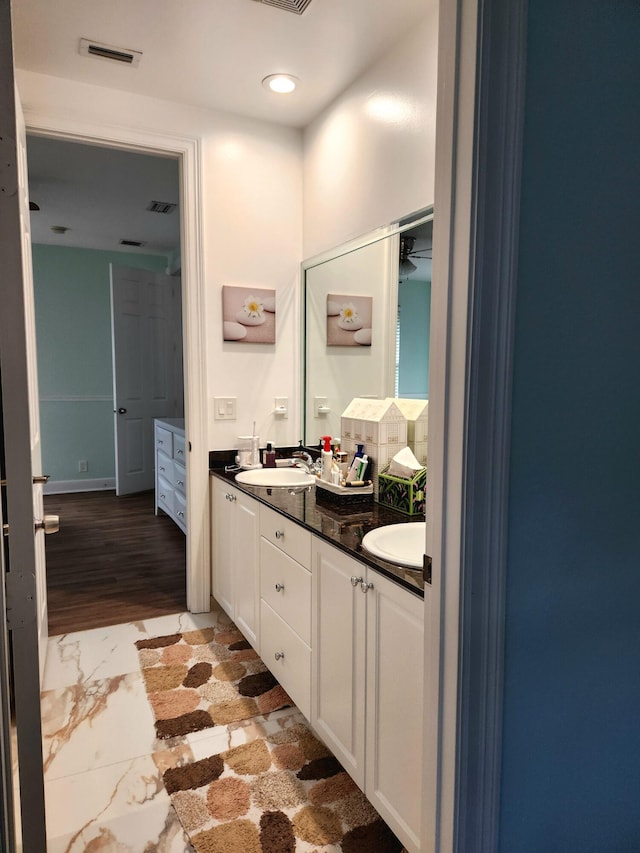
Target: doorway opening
<point x="105" y="221"/>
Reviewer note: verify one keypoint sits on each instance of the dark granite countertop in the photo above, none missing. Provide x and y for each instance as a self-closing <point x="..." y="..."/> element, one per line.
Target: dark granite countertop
<point x="343" y="527"/>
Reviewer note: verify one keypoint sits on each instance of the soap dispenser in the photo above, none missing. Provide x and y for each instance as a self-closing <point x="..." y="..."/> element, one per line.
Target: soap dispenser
<point x="269" y="456"/>
<point x="327" y="458"/>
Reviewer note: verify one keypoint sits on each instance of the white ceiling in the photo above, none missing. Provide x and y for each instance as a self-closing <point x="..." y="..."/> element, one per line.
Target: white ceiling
<point x="101" y="195"/>
<point x="211" y="53"/>
<point x="215" y="53"/>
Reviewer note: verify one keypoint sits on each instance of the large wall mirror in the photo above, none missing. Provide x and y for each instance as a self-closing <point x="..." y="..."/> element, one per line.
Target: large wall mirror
<point x="367" y="311"/>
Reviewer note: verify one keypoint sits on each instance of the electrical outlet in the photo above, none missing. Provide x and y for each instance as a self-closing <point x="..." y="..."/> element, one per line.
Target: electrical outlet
<point x="83" y="466"/>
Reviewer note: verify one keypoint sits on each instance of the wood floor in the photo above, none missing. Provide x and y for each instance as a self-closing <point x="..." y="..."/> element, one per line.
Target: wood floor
<point x="112" y="561"/>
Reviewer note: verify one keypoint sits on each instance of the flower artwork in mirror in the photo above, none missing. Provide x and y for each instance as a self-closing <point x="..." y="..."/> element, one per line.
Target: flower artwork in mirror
<point x="380" y="284"/>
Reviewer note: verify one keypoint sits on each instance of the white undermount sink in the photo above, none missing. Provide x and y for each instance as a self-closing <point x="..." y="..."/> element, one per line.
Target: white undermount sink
<point x="276" y="478"/>
<point x="402" y="544"/>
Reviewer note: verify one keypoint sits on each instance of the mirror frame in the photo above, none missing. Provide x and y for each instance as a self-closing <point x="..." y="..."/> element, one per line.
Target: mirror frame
<point x="395" y="229"/>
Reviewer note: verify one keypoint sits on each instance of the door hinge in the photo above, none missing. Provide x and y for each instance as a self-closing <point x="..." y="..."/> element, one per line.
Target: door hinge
<point x="426" y="568"/>
<point x="20" y="595"/>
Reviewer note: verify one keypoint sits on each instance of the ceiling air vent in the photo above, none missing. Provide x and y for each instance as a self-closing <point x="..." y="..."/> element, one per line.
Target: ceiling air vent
<point x="295" y="6"/>
<point x="137" y="243"/>
<point x="109" y="51"/>
<point x="161" y="206"/>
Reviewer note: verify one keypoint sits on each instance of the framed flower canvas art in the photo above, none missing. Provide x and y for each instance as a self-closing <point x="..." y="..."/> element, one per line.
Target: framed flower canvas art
<point x="248" y="315"/>
<point x="349" y="320"/>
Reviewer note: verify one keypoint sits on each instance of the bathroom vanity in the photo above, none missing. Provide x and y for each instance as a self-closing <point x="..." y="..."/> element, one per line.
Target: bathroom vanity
<point x="341" y="630"/>
<point x="171" y="471"/>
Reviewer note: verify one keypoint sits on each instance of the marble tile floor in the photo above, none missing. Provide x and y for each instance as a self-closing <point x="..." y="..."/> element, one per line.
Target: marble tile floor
<point x="103" y="763"/>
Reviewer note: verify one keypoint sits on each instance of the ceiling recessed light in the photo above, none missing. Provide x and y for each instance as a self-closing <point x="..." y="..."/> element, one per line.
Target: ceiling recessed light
<point x="283" y="84"/>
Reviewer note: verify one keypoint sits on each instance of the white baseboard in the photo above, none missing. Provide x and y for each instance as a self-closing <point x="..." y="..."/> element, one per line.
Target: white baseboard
<point x="61" y="487"/>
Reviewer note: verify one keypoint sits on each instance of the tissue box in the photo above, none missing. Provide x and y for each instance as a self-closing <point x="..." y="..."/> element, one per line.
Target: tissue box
<point x="406" y="496"/>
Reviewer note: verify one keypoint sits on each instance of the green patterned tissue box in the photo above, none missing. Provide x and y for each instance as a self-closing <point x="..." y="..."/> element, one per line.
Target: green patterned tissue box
<point x="406" y="496"/>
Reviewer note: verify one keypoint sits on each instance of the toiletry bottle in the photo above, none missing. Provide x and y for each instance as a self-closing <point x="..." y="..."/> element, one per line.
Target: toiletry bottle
<point x="362" y="466"/>
<point x="269" y="456"/>
<point x="352" y="473"/>
<point x="327" y="458"/>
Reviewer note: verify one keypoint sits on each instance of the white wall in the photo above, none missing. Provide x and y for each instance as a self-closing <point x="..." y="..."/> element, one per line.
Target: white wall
<point x="252" y="224"/>
<point x="369" y="159"/>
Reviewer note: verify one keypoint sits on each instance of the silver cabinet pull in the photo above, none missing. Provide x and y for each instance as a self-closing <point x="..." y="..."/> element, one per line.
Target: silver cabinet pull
<point x="180" y="513"/>
<point x="365" y="587"/>
<point x="279" y="534"/>
<point x="279" y="587"/>
<point x="355" y="581"/>
<point x="50" y="524"/>
<point x="179" y="452"/>
<point x="230" y="497"/>
<point x="279" y="655"/>
<point x="179" y="482"/>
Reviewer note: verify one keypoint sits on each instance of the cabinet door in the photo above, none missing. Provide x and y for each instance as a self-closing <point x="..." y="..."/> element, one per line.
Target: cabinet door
<point x="222" y="550"/>
<point x="244" y="553"/>
<point x="395" y="620"/>
<point x="338" y="656"/>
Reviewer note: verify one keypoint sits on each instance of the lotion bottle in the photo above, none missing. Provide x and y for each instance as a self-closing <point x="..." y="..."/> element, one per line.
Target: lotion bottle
<point x="327" y="458"/>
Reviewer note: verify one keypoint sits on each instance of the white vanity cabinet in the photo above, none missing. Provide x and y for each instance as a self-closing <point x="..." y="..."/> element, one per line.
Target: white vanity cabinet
<point x="367" y="680"/>
<point x="234" y="556"/>
<point x="285" y="604"/>
<point x="171" y="471"/>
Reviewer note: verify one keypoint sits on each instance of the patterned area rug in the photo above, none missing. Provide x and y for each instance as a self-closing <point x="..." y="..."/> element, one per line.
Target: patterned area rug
<point x="280" y="793"/>
<point x="205" y="678"/>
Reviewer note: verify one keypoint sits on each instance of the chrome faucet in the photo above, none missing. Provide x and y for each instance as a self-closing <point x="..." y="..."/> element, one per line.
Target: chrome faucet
<point x="304" y="460"/>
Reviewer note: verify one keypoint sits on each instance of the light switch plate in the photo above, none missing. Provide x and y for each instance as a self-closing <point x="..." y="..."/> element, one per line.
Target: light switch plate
<point x="224" y="408"/>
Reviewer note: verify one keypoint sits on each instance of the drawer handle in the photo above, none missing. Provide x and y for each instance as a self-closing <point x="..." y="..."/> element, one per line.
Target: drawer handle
<point x="160" y="441"/>
<point x="365" y="587"/>
<point x="180" y="482"/>
<point x="279" y="655"/>
<point x="180" y="452"/>
<point x="180" y="513"/>
<point x="162" y="469"/>
<point x="230" y="497"/>
<point x="279" y="534"/>
<point x="164" y="497"/>
<point x="279" y="587"/>
<point x="355" y="581"/>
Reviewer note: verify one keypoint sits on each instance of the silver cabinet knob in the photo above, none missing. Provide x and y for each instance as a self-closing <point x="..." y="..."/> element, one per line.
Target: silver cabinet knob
<point x="180" y="514"/>
<point x="50" y="524"/>
<point x="279" y="587"/>
<point x="355" y="581"/>
<point x="365" y="587"/>
<point x="279" y="655"/>
<point x="230" y="497"/>
<point x="279" y="534"/>
<point x="179" y="482"/>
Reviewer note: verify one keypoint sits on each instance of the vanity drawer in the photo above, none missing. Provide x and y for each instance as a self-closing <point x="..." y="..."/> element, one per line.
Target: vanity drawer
<point x="292" y="598"/>
<point x="179" y="448"/>
<point x="165" y="495"/>
<point x="180" y="508"/>
<point x="292" y="667"/>
<point x="164" y="466"/>
<point x="164" y="440"/>
<point x="179" y="477"/>
<point x="287" y="535"/>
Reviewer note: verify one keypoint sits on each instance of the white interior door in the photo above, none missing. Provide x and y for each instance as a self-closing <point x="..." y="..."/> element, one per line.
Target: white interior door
<point x="24" y="577"/>
<point x="147" y="368"/>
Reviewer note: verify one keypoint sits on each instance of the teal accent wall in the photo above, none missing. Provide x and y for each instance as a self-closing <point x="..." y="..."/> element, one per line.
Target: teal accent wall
<point x="571" y="737"/>
<point x="414" y="304"/>
<point x="73" y="333"/>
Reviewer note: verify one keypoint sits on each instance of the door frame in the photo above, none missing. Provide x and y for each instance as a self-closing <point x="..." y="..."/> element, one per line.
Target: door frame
<point x="188" y="151"/>
<point x="479" y="131"/>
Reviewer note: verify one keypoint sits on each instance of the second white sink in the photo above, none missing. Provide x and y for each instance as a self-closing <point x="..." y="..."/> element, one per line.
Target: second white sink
<point x="402" y="544"/>
<point x="276" y="478"/>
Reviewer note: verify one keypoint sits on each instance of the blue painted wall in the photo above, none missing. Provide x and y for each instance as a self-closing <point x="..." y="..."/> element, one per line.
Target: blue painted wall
<point x="571" y="757"/>
<point x="73" y="333"/>
<point x="414" y="306"/>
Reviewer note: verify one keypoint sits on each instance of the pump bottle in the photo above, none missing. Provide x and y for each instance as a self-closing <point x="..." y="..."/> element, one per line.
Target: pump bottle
<point x="327" y="458"/>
